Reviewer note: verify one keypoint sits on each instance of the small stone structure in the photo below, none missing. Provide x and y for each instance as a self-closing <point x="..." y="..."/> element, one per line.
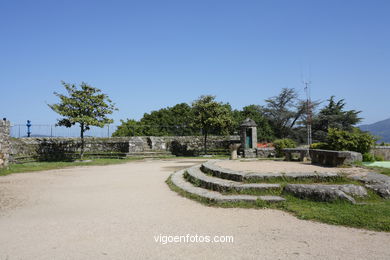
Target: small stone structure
<point x="265" y="152"/>
<point x="4" y="142"/>
<point x="334" y="158"/>
<point x="233" y="151"/>
<point x="303" y="153"/>
<point x="248" y="137"/>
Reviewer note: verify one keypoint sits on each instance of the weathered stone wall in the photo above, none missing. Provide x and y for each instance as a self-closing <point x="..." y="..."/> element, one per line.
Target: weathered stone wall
<point x="25" y="149"/>
<point x="62" y="148"/>
<point x="4" y="142"/>
<point x="382" y="151"/>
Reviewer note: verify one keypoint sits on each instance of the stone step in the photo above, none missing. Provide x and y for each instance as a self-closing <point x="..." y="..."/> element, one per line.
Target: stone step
<point x="213" y="169"/>
<point x="149" y="154"/>
<point x="320" y="192"/>
<point x="179" y="180"/>
<point x="196" y="176"/>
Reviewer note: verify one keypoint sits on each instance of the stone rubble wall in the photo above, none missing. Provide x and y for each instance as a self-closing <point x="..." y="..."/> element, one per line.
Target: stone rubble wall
<point x="382" y="151"/>
<point x="58" y="148"/>
<point x="4" y="143"/>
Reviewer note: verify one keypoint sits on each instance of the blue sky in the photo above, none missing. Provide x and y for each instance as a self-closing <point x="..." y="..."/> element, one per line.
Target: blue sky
<point x="151" y="54"/>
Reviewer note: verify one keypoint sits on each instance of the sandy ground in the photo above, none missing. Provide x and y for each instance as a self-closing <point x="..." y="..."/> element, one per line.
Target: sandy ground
<point x="114" y="212"/>
<point x="268" y="166"/>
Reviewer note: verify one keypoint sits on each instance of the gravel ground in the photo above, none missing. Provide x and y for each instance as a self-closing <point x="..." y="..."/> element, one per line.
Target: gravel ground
<point x="268" y="166"/>
<point x="114" y="212"/>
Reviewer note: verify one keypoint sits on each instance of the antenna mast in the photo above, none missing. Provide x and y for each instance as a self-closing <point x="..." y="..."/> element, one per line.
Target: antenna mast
<point x="308" y="111"/>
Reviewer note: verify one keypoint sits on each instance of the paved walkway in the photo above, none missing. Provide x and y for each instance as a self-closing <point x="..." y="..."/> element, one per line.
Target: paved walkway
<point x="114" y="212"/>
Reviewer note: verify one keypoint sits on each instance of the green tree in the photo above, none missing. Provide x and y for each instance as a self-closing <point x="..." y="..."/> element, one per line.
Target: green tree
<point x="333" y="115"/>
<point x="129" y="127"/>
<point x="284" y="111"/>
<point x="176" y="120"/>
<point x="211" y="116"/>
<point x="86" y="106"/>
<point x="256" y="113"/>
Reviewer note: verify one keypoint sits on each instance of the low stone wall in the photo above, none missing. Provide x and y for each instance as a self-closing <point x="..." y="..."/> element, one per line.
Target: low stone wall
<point x="334" y="158"/>
<point x="382" y="151"/>
<point x="23" y="149"/>
<point x="4" y="142"/>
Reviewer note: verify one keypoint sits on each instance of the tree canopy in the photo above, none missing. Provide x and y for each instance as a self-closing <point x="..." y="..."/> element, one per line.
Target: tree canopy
<point x="282" y="116"/>
<point x="283" y="112"/>
<point x="85" y="106"/>
<point x="211" y="116"/>
<point x="333" y="115"/>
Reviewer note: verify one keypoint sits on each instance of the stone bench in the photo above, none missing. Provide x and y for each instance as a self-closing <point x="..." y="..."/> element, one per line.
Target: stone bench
<point x="333" y="158"/>
<point x="303" y="153"/>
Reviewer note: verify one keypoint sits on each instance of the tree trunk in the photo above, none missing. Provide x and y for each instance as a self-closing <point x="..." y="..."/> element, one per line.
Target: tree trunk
<point x="205" y="143"/>
<point x="82" y="141"/>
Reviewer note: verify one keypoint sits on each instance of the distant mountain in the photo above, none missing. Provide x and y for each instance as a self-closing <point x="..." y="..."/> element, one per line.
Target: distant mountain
<point x="380" y="129"/>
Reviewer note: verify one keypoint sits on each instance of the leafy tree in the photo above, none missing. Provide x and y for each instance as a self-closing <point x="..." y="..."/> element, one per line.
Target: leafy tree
<point x="333" y="115"/>
<point x="86" y="106"/>
<point x="211" y="116"/>
<point x="129" y="128"/>
<point x="283" y="111"/>
<point x="176" y="120"/>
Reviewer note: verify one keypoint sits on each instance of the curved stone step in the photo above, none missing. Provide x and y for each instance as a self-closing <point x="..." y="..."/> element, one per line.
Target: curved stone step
<point x="196" y="176"/>
<point x="213" y="169"/>
<point x="178" y="179"/>
<point x="319" y="192"/>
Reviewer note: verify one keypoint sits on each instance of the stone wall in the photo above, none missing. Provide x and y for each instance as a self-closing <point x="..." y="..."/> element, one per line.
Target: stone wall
<point x="23" y="149"/>
<point x="4" y="142"/>
<point x="382" y="151"/>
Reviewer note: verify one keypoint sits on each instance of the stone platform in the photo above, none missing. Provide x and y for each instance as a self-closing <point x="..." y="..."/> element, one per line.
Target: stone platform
<point x="267" y="180"/>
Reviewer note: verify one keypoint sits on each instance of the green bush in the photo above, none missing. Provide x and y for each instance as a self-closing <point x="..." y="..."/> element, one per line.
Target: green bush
<point x="319" y="146"/>
<point x="378" y="157"/>
<point x="280" y="144"/>
<point x="356" y="140"/>
<point x="368" y="157"/>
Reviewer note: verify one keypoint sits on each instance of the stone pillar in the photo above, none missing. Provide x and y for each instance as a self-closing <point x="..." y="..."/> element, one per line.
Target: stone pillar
<point x="4" y="142"/>
<point x="233" y="151"/>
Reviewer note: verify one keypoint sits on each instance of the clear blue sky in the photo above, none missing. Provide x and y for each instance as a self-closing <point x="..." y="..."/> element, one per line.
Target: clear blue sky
<point x="151" y="54"/>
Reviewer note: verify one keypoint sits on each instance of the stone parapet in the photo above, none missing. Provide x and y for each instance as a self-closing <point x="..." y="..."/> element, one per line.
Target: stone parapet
<point x="4" y="142"/>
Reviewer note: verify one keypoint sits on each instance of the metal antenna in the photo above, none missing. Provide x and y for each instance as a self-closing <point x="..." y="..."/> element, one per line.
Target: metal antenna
<point x="308" y="111"/>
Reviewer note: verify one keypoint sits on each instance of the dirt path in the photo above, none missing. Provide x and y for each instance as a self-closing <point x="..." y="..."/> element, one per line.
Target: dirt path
<point x="114" y="212"/>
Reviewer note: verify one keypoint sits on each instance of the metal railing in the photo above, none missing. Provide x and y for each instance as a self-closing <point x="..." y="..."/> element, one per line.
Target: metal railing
<point x="50" y="130"/>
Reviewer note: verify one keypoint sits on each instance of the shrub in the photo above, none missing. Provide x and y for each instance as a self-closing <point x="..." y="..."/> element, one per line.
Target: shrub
<point x="378" y="157"/>
<point x="281" y="144"/>
<point x="356" y="140"/>
<point x="319" y="146"/>
<point x="368" y="157"/>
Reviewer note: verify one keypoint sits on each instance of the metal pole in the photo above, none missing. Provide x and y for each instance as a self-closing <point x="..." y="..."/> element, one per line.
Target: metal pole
<point x="309" y="112"/>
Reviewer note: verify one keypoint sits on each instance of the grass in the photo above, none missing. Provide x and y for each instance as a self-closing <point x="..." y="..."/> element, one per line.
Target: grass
<point x="374" y="214"/>
<point x="385" y="171"/>
<point x="285" y="180"/>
